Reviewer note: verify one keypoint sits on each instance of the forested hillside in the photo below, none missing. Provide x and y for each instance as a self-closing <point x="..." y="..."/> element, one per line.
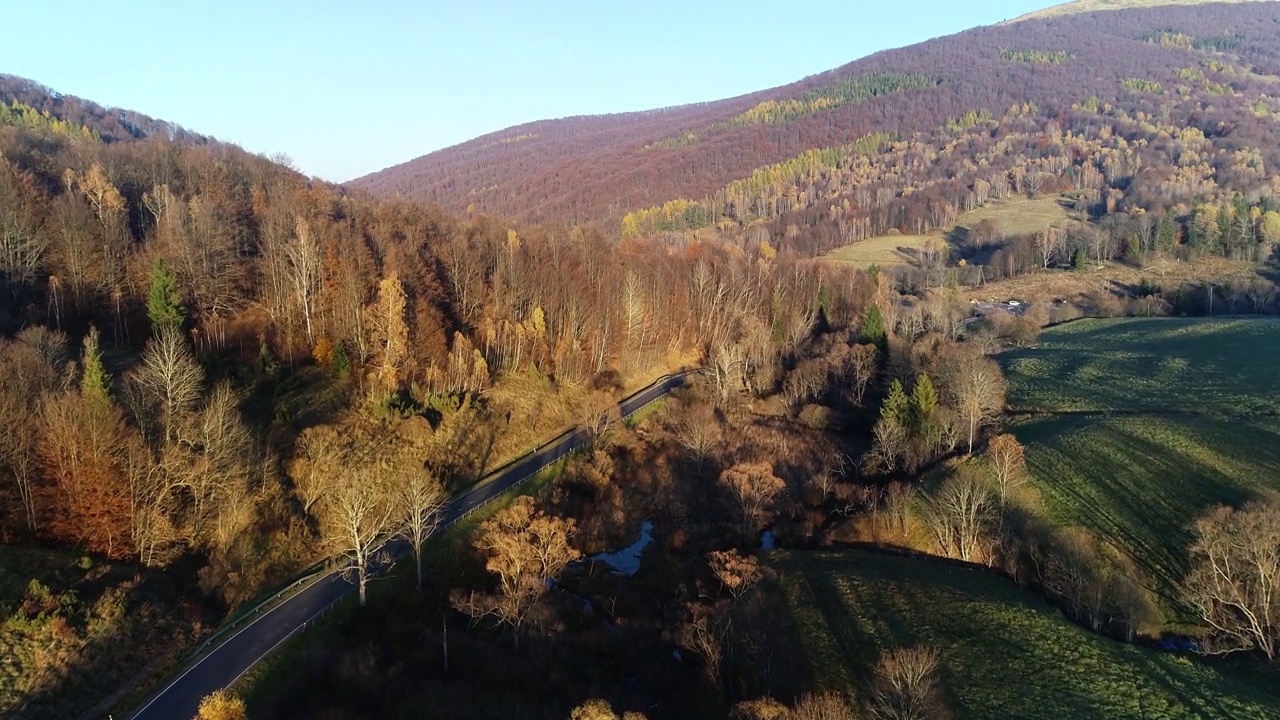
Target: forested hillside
<point x="216" y="372"/>
<point x="1147" y="60"/>
<point x="203" y="351"/>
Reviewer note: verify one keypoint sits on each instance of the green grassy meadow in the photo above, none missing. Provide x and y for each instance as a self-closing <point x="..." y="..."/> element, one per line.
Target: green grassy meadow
<point x="1190" y="365"/>
<point x="1139" y="481"/>
<point x="1136" y="427"/>
<point x="1004" y="652"/>
<point x="884" y="250"/>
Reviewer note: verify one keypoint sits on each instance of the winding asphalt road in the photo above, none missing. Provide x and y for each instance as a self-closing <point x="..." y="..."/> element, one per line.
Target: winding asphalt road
<point x="223" y="665"/>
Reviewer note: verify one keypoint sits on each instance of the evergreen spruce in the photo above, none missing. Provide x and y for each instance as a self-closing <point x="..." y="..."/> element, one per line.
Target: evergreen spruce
<point x="95" y="384"/>
<point x="896" y="407"/>
<point x="871" y="329"/>
<point x="924" y="403"/>
<point x="164" y="301"/>
<point x="926" y="427"/>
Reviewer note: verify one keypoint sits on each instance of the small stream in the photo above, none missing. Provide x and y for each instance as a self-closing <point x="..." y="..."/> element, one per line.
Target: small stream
<point x="627" y="560"/>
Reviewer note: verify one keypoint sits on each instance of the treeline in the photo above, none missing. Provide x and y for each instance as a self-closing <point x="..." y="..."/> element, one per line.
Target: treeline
<point x="679" y="215"/>
<point x="1037" y="57"/>
<point x="847" y="91"/>
<point x="1185" y="41"/>
<point x="108" y="124"/>
<point x="598" y="168"/>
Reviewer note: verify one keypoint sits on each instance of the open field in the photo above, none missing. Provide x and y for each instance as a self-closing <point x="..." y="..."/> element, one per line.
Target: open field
<point x="1014" y="217"/>
<point x="1020" y="216"/>
<point x="1138" y="426"/>
<point x="1116" y="278"/>
<point x="1139" y="481"/>
<point x="885" y="250"/>
<point x="1190" y="365"/>
<point x="1004" y="652"/>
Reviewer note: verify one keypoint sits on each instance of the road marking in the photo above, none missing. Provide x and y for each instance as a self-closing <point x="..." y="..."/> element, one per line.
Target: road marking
<point x="223" y="645"/>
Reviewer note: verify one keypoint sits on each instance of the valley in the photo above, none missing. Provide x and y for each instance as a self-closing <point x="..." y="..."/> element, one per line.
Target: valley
<point x="939" y="384"/>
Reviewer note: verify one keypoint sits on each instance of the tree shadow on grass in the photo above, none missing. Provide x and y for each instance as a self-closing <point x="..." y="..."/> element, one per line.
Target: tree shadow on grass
<point x="1007" y="653"/>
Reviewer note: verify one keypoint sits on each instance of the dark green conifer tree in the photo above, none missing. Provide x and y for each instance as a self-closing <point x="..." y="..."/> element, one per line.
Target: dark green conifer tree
<point x="164" y="301"/>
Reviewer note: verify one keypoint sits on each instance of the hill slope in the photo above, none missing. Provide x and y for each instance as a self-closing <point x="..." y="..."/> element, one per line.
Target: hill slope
<point x="599" y="168"/>
<point x="988" y="632"/>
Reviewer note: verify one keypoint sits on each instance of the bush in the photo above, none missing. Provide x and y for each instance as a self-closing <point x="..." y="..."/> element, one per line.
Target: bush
<point x="817" y="417"/>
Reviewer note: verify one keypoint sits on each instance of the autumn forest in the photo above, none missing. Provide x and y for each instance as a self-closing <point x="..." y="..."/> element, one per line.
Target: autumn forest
<point x="220" y="378"/>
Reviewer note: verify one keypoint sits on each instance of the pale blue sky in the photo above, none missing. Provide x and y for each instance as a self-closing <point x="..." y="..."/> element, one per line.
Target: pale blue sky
<point x="346" y="88"/>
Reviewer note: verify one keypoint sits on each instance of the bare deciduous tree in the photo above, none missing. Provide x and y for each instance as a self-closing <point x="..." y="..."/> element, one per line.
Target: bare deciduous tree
<point x="890" y="442"/>
<point x="303" y="272"/>
<point x="863" y="361"/>
<point x="215" y="448"/>
<point x="22" y="244"/>
<point x="974" y="385"/>
<point x="598" y="415"/>
<point x="736" y="573"/>
<point x="704" y="634"/>
<point x="357" y="515"/>
<point x="170" y="378"/>
<point x="753" y="487"/>
<point x="419" y="500"/>
<point x="319" y="457"/>
<point x="804" y="383"/>
<point x="699" y="432"/>
<point x="1006" y="458"/>
<point x="897" y="506"/>
<point x="31" y="368"/>
<point x="1234" y="581"/>
<point x="827" y="706"/>
<point x="905" y="686"/>
<point x="960" y="515"/>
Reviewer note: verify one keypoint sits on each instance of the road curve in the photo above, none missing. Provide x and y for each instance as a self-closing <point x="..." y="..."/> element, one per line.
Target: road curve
<point x="223" y="665"/>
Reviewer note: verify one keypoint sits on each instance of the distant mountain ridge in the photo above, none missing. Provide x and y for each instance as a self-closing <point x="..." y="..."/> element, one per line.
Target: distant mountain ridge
<point x="600" y="168"/>
<point x="1084" y="6"/>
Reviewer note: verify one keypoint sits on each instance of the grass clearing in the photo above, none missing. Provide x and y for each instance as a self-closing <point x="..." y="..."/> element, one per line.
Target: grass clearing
<point x="1020" y="216"/>
<point x="885" y="250"/>
<point x="1004" y="652"/>
<point x="1192" y="365"/>
<point x="1138" y="426"/>
<point x="1014" y="217"/>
